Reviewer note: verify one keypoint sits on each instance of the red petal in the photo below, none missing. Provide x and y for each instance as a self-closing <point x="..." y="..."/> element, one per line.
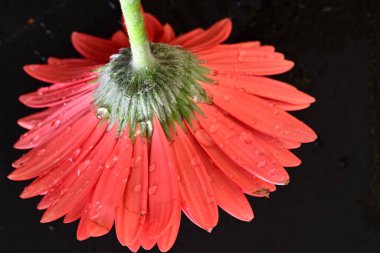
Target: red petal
<point x="131" y="216"/>
<point x="187" y="37"/>
<point x="288" y="107"/>
<point x="166" y="241"/>
<point x="229" y="196"/>
<point x="247" y="182"/>
<point x="94" y="48"/>
<point x="261" y="115"/>
<point x="168" y="34"/>
<point x="33" y="120"/>
<point x="111" y="185"/>
<point x="198" y="200"/>
<point x="163" y="185"/>
<point x="154" y="27"/>
<point x="241" y="146"/>
<point x="265" y="87"/>
<point x="76" y="212"/>
<point x="215" y="35"/>
<point x="47" y="129"/>
<point x="263" y="68"/>
<point x="121" y="39"/>
<point x="46" y="157"/>
<point x="87" y="176"/>
<point x="61" y="74"/>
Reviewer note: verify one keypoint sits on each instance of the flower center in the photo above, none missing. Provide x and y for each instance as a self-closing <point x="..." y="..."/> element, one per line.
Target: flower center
<point x="168" y="88"/>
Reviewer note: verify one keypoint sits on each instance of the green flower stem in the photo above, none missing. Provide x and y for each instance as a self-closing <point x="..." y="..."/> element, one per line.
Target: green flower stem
<point x="142" y="57"/>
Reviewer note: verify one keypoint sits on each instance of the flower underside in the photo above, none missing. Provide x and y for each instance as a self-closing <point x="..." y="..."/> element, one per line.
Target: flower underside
<point x="167" y="88"/>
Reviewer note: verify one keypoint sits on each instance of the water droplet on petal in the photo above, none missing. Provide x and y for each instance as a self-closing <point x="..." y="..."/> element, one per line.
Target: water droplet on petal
<point x="214" y="72"/>
<point x="261" y="164"/>
<point x="214" y="128"/>
<point x="227" y="97"/>
<point x="152" y="168"/>
<point x="246" y="137"/>
<point x="211" y="200"/>
<point x="137" y="161"/>
<point x="35" y="139"/>
<point x="42" y="152"/>
<point x="137" y="188"/>
<point x="101" y="112"/>
<point x="196" y="161"/>
<point x="203" y="138"/>
<point x="153" y="189"/>
<point x="56" y="123"/>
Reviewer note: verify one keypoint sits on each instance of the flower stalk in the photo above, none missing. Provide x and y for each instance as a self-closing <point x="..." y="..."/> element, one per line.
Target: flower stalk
<point x="142" y="57"/>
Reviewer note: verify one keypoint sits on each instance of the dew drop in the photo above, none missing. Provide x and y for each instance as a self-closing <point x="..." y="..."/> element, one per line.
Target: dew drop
<point x="214" y="72"/>
<point x="56" y="123"/>
<point x="137" y="188"/>
<point x="152" y="168"/>
<point x="203" y="138"/>
<point x="101" y="112"/>
<point x="211" y="200"/>
<point x="35" y="139"/>
<point x="196" y="161"/>
<point x="214" y="128"/>
<point x="227" y="97"/>
<point x="242" y="53"/>
<point x="152" y="189"/>
<point x="137" y="161"/>
<point x="246" y="137"/>
<point x="261" y="164"/>
<point x="42" y="152"/>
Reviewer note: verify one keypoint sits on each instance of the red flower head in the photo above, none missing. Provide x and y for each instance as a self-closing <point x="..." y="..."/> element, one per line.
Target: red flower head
<point x="200" y="130"/>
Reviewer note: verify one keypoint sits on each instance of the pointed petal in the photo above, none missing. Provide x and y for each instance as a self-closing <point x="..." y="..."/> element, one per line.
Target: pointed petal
<point x="42" y="159"/>
<point x="86" y="178"/>
<point x="94" y="48"/>
<point x="163" y="185"/>
<point x="168" y="34"/>
<point x="247" y="182"/>
<point x="238" y="143"/>
<point x="264" y="68"/>
<point x="154" y="27"/>
<point x="111" y="185"/>
<point x="187" y="37"/>
<point x="60" y="74"/>
<point x="228" y="195"/>
<point x="261" y="115"/>
<point x="166" y="241"/>
<point x="33" y="120"/>
<point x="215" y="35"/>
<point x="198" y="200"/>
<point x="131" y="216"/>
<point x="264" y="87"/>
<point x="61" y="118"/>
<point x="121" y="38"/>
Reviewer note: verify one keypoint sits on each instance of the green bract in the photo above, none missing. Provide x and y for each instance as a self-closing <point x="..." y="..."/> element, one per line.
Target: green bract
<point x="167" y="88"/>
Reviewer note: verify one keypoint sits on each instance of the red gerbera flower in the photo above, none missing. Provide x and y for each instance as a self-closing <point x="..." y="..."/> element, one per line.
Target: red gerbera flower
<point x="200" y="130"/>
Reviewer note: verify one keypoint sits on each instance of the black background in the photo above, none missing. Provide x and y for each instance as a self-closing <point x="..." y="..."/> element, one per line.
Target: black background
<point x="328" y="205"/>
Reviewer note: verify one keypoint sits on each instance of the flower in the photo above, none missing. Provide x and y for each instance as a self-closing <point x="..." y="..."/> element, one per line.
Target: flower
<point x="225" y="133"/>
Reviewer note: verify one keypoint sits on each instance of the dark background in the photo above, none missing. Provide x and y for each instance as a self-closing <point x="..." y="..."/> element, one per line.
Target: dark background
<point x="329" y="206"/>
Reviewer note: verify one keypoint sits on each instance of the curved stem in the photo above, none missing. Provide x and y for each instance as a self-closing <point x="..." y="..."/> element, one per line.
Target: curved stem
<point x="134" y="20"/>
